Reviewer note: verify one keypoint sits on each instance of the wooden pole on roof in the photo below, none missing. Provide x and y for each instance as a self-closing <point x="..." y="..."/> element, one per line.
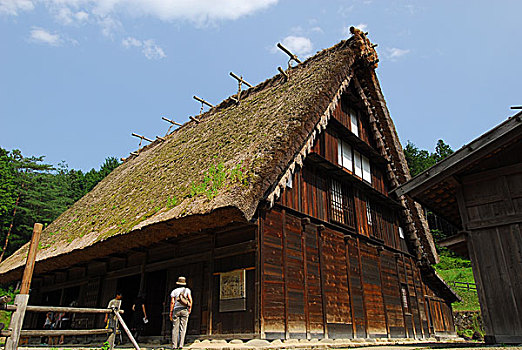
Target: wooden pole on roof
<point x="17" y="318"/>
<point x="289" y="53"/>
<point x="202" y="101"/>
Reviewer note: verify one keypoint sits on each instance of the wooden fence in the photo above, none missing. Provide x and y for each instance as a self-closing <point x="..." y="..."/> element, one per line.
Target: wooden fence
<point x="15" y="331"/>
<point x="464" y="285"/>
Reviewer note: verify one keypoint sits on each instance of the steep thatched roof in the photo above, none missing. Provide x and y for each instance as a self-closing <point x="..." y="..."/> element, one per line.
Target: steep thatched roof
<point x="249" y="144"/>
<point x="211" y="172"/>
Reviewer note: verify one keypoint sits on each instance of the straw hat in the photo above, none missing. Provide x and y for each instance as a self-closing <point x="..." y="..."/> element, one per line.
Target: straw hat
<point x="181" y="281"/>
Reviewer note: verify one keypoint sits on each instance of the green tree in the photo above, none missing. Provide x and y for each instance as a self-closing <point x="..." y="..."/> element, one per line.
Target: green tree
<point x="23" y="187"/>
<point x="419" y="159"/>
<point x="32" y="191"/>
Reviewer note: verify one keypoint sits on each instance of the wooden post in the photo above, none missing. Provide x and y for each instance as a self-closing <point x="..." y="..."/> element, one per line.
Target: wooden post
<point x="31" y="258"/>
<point x="17" y="319"/>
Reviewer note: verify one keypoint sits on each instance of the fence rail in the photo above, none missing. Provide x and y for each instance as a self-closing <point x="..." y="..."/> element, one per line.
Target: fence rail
<point x="464" y="285"/>
<point x="20" y="307"/>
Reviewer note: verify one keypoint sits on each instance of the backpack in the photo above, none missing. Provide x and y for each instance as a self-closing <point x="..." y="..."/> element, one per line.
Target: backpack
<point x="182" y="299"/>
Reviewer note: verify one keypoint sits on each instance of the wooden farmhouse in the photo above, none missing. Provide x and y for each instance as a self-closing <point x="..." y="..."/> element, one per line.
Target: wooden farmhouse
<point x="277" y="211"/>
<point x="479" y="189"/>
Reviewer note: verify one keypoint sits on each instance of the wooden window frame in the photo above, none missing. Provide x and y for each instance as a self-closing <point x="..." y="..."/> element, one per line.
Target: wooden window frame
<point x="341" y="204"/>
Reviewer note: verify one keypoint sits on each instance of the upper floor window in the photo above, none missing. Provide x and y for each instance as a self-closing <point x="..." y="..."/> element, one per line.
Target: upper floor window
<point x="344" y="155"/>
<point x="289" y="182"/>
<point x="354" y="122"/>
<point x="362" y="167"/>
<point x="341" y="204"/>
<point x="368" y="213"/>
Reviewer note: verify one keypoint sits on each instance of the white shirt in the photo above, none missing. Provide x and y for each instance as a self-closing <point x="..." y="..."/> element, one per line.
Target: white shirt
<point x="175" y="294"/>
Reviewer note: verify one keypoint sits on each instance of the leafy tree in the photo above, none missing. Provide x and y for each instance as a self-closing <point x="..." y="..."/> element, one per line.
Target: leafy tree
<point x="32" y="191"/>
<point x="419" y="159"/>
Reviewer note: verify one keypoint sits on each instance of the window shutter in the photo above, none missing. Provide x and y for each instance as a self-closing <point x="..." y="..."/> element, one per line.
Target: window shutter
<point x="354" y="123"/>
<point x="339" y="152"/>
<point x="357" y="164"/>
<point x="366" y="170"/>
<point x="347" y="156"/>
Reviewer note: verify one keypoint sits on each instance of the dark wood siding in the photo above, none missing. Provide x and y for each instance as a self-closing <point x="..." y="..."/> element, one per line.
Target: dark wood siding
<point x="492" y="205"/>
<point x="333" y="257"/>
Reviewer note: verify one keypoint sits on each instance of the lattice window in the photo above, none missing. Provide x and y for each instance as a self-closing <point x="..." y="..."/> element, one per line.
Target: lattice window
<point x="336" y="197"/>
<point x="404" y="298"/>
<point x="369" y="219"/>
<point x="341" y="204"/>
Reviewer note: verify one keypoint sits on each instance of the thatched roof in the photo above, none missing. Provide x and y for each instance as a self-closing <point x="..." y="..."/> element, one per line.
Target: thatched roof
<point x="216" y="171"/>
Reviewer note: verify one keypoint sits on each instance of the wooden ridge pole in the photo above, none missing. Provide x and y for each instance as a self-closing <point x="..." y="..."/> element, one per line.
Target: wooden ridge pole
<point x="17" y="319"/>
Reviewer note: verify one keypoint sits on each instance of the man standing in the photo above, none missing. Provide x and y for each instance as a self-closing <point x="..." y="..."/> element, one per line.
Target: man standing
<point x="112" y="320"/>
<point x="180" y="307"/>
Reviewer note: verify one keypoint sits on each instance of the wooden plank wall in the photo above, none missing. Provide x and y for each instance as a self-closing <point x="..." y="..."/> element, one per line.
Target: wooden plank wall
<point x="335" y="281"/>
<point x="318" y="282"/>
<point x="492" y="203"/>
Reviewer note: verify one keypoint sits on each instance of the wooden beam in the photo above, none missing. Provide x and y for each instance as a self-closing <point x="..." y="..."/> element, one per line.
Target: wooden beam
<point x="65" y="332"/>
<point x="322" y="276"/>
<point x="285" y="275"/>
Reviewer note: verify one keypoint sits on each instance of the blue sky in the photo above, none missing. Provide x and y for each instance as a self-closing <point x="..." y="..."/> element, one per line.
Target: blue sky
<point x="78" y="76"/>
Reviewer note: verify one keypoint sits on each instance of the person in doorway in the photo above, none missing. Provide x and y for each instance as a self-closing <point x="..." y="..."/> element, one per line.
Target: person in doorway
<point x="48" y="325"/>
<point x="180" y="308"/>
<point x="139" y="316"/>
<point x="112" y="321"/>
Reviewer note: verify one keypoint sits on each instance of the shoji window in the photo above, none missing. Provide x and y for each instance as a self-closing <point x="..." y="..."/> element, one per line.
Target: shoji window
<point x="357" y="164"/>
<point x="366" y="170"/>
<point x="354" y="122"/>
<point x="344" y="155"/>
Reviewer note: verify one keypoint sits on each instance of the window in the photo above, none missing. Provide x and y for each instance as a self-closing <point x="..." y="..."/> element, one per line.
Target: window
<point x="354" y="122"/>
<point x="369" y="213"/>
<point x="366" y="171"/>
<point x="336" y="196"/>
<point x="357" y="164"/>
<point x="341" y="204"/>
<point x="344" y="155"/>
<point x="404" y="297"/>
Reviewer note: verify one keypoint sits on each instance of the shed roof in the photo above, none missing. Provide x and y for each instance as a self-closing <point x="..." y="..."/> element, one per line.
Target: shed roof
<point x="436" y="187"/>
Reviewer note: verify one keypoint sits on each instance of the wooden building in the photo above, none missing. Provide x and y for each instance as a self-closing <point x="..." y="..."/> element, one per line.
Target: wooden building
<point x="479" y="189"/>
<point x="276" y="209"/>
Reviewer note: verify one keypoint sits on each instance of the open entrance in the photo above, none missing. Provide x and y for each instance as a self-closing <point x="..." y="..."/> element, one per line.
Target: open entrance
<point x="129" y="287"/>
<point x="155" y="291"/>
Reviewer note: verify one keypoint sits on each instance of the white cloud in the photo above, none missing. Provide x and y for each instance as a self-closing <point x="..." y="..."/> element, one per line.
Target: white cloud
<point x="394" y="53"/>
<point x="43" y="36"/>
<point x="316" y="29"/>
<point x="362" y="26"/>
<point x="199" y="12"/>
<point x="13" y="7"/>
<point x="148" y="47"/>
<point x="109" y="25"/>
<point x="298" y="45"/>
<point x="67" y="16"/>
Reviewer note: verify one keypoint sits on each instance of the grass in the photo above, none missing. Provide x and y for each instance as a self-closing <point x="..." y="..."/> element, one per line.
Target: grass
<point x="453" y="268"/>
<point x="469" y="298"/>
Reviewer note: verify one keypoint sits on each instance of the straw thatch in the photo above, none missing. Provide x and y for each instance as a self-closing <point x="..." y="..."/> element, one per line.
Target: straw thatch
<point x="213" y="172"/>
